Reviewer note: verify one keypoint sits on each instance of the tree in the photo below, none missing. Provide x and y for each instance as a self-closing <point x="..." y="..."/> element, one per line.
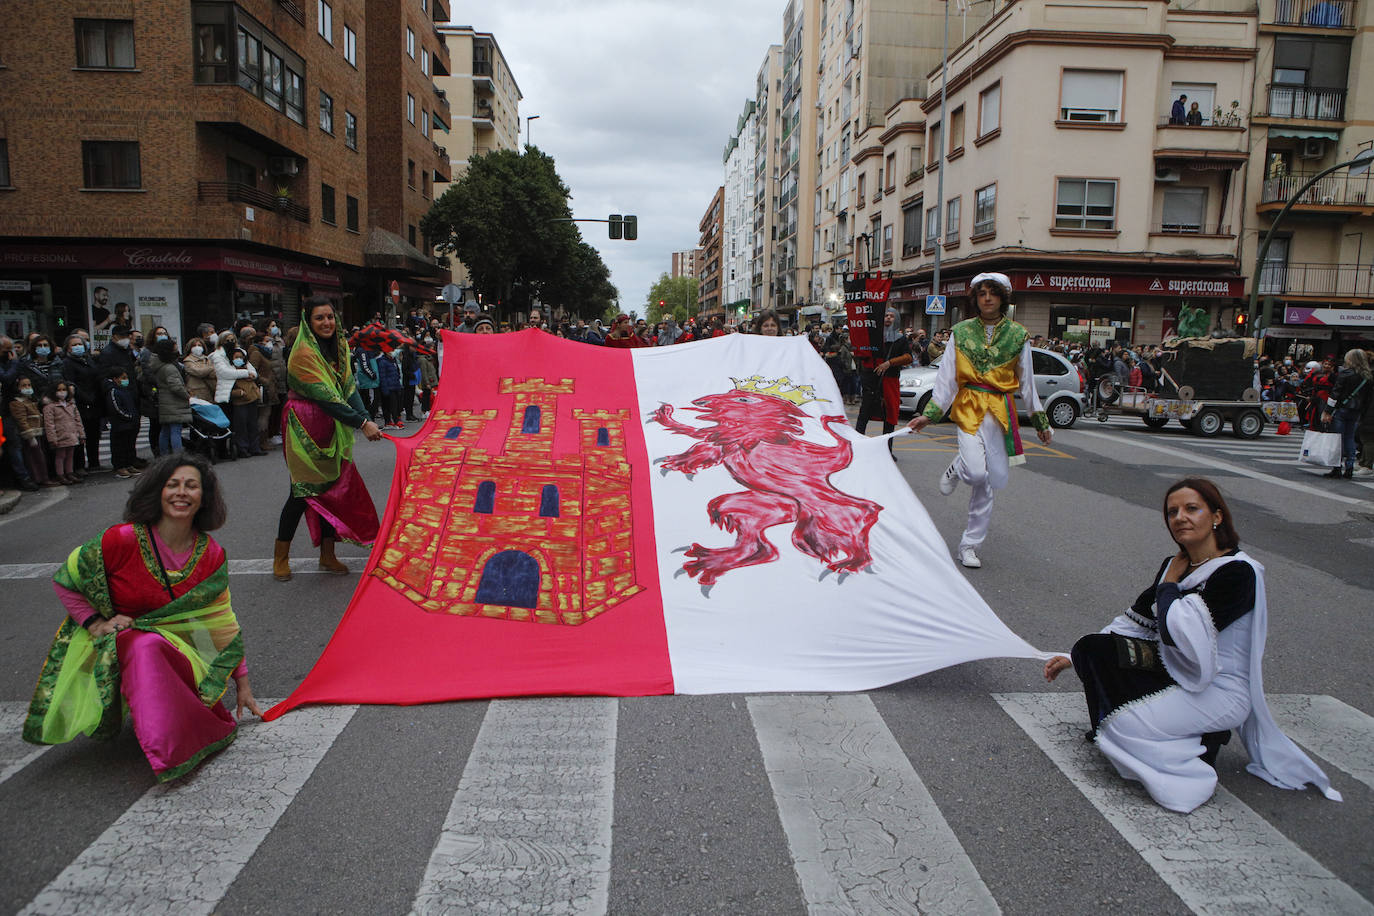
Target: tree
<point x="502" y="220"/>
<point x="679" y="295"/>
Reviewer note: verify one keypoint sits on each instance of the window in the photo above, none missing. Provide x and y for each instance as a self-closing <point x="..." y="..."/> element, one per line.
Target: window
<point x="934" y="144"/>
<point x="1184" y="209"/>
<point x="911" y="231"/>
<point x="932" y="227"/>
<point x="424" y="61"/>
<point x="548" y="501"/>
<point x="326" y="112"/>
<point x="110" y="164"/>
<point x="530" y="423"/>
<point x="887" y="243"/>
<point x="350" y="46"/>
<point x="424" y="184"/>
<point x="984" y="209"/>
<point x="273" y="77"/>
<point x="603" y="436"/>
<point x="1082" y="203"/>
<point x="486" y="498"/>
<point x="863" y="180"/>
<point x="410" y="42"/>
<point x="1275" y="271"/>
<point x="212" y="43"/>
<point x="952" y="221"/>
<point x="1091" y="95"/>
<point x="105" y="43"/>
<point x="989" y="109"/>
<point x="350" y="130"/>
<point x="410" y="173"/>
<point x="327" y="204"/>
<point x="325" y="24"/>
<point x="295" y="96"/>
<point x="1204" y="94"/>
<point x="424" y="122"/>
<point x="239" y="172"/>
<point x="410" y="108"/>
<point x="4" y="163"/>
<point x="250" y="61"/>
<point x="956" y="129"/>
<point x="351" y="216"/>
<point x="891" y="172"/>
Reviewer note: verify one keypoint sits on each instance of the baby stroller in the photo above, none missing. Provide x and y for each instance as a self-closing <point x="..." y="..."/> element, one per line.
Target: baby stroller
<point x="208" y="426"/>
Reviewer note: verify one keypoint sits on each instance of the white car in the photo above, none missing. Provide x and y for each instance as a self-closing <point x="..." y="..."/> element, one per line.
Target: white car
<point x="1056" y="381"/>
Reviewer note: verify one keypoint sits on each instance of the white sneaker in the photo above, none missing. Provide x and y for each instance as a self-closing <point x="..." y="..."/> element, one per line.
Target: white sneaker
<point x="968" y="558"/>
<point x="949" y="480"/>
<point x="1364" y="472"/>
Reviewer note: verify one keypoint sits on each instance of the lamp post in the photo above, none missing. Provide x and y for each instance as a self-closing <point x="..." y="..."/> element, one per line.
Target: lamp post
<point x="1358" y="166"/>
<point x="940" y="157"/>
<point x="528" y="140"/>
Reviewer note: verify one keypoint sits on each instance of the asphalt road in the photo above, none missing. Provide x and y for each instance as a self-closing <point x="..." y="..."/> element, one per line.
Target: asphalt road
<point x="967" y="790"/>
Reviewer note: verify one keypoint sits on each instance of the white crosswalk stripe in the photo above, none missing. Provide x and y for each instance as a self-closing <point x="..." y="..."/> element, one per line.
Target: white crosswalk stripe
<point x="215" y="818"/>
<point x="530" y="826"/>
<point x="1222" y="858"/>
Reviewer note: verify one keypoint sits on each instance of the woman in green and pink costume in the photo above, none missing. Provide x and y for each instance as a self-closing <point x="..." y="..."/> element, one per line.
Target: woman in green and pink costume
<point x="986" y="366"/>
<point x="149" y="628"/>
<point x="322" y="410"/>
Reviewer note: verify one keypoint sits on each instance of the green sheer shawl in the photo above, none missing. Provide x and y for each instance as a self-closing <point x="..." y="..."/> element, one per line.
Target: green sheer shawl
<point x="310" y="374"/>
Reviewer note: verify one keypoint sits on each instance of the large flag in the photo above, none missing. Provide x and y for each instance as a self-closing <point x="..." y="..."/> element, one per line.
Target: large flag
<point x="699" y="518"/>
<point x="865" y="299"/>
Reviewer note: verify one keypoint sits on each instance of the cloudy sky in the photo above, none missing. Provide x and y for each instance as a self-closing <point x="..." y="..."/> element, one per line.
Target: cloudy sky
<point x="636" y="100"/>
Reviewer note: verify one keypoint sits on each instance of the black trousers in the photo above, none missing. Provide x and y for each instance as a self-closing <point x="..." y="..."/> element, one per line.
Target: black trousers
<point x="90" y="422"/>
<point x="123" y="447"/>
<point x="290" y="520"/>
<point x="871" y="403"/>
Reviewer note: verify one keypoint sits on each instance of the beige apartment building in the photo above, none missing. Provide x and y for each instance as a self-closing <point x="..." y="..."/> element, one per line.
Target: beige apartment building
<point x="767" y="151"/>
<point x="483" y="101"/>
<point x="684" y="263"/>
<point x="796" y="216"/>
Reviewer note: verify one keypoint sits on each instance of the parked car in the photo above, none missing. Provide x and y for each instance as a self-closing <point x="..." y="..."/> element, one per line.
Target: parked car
<point x="1056" y="381"/>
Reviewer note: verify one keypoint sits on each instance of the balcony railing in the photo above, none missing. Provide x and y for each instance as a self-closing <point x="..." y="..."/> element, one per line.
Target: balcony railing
<point x="1309" y="103"/>
<point x="1325" y="14"/>
<point x="1191" y="228"/>
<point x="246" y="193"/>
<point x="1346" y="281"/>
<point x="1337" y="189"/>
<point x="293" y="9"/>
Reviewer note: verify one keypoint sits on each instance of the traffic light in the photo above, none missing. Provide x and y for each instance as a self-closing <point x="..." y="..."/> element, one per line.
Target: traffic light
<point x="631" y="228"/>
<point x="1241" y="319"/>
<point x="616" y="221"/>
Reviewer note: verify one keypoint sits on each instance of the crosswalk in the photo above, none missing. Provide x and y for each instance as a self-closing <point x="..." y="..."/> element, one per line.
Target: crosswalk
<point x="532" y="824"/>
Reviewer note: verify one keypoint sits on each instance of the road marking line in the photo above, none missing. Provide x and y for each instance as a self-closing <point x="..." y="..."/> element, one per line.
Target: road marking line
<point x="15" y="752"/>
<point x="236" y="568"/>
<point x="1324" y="725"/>
<point x="531" y="819"/>
<point x="179" y="847"/>
<point x="864" y="832"/>
<point x="1222" y="858"/>
<point x="1209" y="461"/>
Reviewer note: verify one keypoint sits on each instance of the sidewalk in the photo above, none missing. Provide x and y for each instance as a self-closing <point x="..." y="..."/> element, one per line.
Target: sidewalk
<point x="9" y="499"/>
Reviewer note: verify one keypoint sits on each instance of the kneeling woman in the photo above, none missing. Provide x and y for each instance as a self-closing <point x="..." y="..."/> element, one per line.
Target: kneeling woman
<point x="1168" y="679"/>
<point x="149" y="627"/>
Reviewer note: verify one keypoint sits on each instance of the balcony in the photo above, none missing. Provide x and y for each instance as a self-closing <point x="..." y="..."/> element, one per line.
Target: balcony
<point x="1305" y="103"/>
<point x="1319" y="14"/>
<point x="1198" y="230"/>
<point x="293" y="9"/>
<point x="1317" y="281"/>
<point x="244" y="193"/>
<point x="1339" y="193"/>
<point x="1179" y="141"/>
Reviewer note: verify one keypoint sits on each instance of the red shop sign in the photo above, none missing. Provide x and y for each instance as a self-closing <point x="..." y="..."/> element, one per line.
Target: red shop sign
<point x="168" y="258"/>
<point x="1051" y="281"/>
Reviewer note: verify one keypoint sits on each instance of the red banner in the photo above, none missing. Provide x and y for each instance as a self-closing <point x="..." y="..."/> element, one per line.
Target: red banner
<point x="865" y="300"/>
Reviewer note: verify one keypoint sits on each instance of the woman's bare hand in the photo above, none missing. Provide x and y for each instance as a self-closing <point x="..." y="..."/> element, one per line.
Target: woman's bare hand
<point x="1057" y="665"/>
<point x="245" y="698"/>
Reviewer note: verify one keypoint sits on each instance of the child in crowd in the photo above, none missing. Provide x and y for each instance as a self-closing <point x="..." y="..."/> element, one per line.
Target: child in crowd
<point x="62" y="426"/>
<point x="28" y="415"/>
<point x="121" y="408"/>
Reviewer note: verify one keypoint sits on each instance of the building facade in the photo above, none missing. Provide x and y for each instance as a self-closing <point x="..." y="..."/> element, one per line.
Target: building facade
<point x="737" y="245"/>
<point x="710" y="289"/>
<point x="796" y="216"/>
<point x="685" y="263"/>
<point x="767" y="148"/>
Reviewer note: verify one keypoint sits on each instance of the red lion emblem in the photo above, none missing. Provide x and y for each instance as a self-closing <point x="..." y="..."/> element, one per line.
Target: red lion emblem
<point x="757" y="437"/>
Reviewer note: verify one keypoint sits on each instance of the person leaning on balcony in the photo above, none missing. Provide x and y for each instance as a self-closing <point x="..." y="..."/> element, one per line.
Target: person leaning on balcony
<point x="1194" y="116"/>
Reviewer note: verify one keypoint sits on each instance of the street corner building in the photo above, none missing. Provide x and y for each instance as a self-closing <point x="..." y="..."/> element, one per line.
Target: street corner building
<point x="692" y="519"/>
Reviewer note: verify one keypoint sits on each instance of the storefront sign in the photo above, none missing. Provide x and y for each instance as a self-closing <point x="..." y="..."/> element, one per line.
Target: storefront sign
<point x="16" y="286"/>
<point x="1049" y="281"/>
<point x="1334" y="317"/>
<point x="1298" y="333"/>
<point x="110" y="258"/>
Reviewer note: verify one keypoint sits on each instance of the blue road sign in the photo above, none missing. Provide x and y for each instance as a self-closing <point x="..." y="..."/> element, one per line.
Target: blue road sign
<point x="935" y="305"/>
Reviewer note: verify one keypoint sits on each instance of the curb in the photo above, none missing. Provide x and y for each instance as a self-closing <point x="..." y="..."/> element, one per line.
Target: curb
<point x="9" y="499"/>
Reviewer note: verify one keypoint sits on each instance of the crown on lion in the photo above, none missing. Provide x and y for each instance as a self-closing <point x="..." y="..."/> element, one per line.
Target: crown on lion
<point x="778" y="388"/>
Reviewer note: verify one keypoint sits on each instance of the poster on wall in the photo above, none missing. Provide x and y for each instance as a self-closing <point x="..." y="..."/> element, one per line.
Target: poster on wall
<point x="142" y="303"/>
<point x="16" y="324"/>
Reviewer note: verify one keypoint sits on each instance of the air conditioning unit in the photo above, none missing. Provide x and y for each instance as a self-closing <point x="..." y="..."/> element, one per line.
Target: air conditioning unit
<point x="1163" y="174"/>
<point x="1312" y="148"/>
<point x="289" y="166"/>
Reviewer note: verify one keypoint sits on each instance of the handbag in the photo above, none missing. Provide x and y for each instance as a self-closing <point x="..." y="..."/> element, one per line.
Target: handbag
<point x="1321" y="448"/>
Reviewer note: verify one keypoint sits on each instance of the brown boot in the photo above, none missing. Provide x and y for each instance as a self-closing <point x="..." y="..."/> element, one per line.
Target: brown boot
<point x="328" y="562"/>
<point x="281" y="561"/>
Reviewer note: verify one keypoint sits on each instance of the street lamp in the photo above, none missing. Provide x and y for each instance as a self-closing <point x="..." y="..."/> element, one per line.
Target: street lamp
<point x="1358" y="166"/>
<point x="528" y="140"/>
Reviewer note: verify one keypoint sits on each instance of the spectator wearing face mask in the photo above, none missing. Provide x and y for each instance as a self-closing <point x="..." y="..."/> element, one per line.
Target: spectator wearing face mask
<point x="79" y="368"/>
<point x="119" y="354"/>
<point x="62" y="427"/>
<point x="121" y="409"/>
<point x="231" y="367"/>
<point x="40" y="362"/>
<point x="277" y="381"/>
<point x="12" y="446"/>
<point x="200" y="371"/>
<point x="27" y="413"/>
<point x="260" y="358"/>
<point x="173" y="398"/>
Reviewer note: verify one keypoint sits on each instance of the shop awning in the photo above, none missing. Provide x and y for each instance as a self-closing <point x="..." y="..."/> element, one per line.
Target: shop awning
<point x="1303" y="133"/>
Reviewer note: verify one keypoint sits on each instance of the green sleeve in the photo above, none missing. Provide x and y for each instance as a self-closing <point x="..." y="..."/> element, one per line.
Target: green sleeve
<point x="352" y="414"/>
<point x="933" y="413"/>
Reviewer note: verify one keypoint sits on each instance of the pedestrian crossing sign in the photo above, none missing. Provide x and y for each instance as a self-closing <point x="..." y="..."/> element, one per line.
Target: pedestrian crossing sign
<point x="935" y="305"/>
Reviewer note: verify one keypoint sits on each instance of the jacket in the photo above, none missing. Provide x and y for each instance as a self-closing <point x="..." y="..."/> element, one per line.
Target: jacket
<point x="113" y="357"/>
<point x="262" y="362"/>
<point x="365" y="370"/>
<point x="28" y="414"/>
<point x="42" y="374"/>
<point x="200" y="377"/>
<point x="279" y="369"/>
<point x="121" y="405"/>
<point x="429" y="376"/>
<point x="226" y="374"/>
<point x="388" y="374"/>
<point x="1348" y="392"/>
<point x="173" y="398"/>
<point x="62" y="423"/>
<point x="86" y="377"/>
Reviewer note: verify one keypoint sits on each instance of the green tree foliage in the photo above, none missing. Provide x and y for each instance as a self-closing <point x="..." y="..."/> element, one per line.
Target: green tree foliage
<point x="501" y="220"/>
<point x="679" y="295"/>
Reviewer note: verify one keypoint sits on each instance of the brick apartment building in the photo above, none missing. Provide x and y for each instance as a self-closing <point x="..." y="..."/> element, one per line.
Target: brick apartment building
<point x="196" y="162"/>
<point x="709" y="303"/>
